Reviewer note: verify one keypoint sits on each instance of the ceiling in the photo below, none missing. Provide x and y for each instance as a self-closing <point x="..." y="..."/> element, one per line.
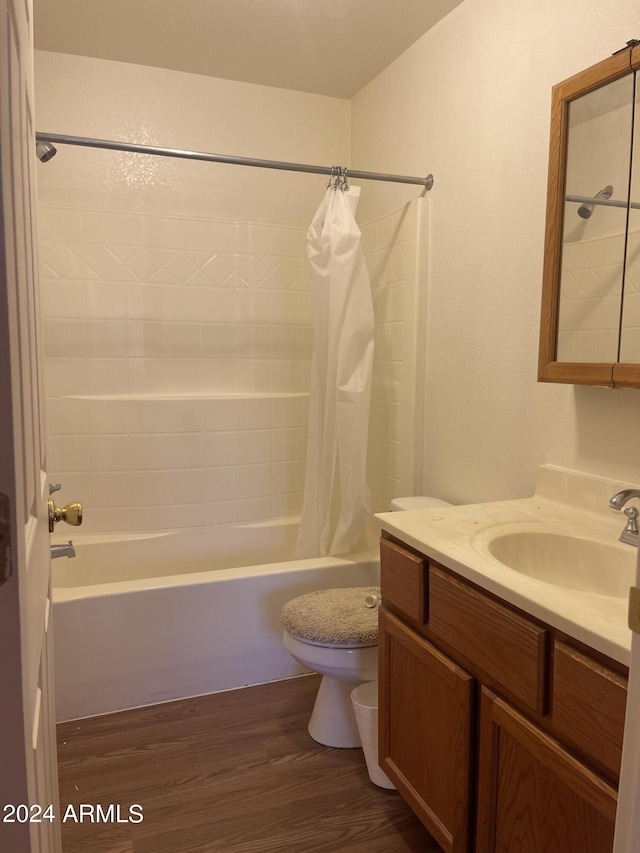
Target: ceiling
<point x="328" y="47"/>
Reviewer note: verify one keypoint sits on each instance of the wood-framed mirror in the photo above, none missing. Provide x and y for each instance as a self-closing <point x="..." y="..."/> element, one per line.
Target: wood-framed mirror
<point x="590" y="317"/>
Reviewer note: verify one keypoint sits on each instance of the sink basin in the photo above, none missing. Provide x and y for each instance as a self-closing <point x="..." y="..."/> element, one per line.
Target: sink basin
<point x="567" y="561"/>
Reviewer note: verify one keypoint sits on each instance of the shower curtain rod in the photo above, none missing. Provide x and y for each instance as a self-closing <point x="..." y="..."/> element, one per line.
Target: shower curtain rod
<point x="602" y="202"/>
<point x="111" y="145"/>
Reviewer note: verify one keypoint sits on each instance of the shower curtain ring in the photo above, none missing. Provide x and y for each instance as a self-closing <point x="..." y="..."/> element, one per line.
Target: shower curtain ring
<point x="332" y="178"/>
<point x="341" y="181"/>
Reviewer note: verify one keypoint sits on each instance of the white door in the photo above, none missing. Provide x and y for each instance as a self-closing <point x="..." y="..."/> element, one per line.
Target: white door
<point x="627" y="837"/>
<point x="28" y="771"/>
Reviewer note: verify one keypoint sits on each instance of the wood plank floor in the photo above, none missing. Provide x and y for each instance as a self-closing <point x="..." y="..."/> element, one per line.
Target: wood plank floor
<point x="234" y="772"/>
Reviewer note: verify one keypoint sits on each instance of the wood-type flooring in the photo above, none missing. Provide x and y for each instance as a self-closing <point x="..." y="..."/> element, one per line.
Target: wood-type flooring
<point x="233" y="772"/>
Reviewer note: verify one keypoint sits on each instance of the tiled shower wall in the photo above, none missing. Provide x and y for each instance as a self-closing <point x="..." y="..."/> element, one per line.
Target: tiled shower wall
<point x="384" y="245"/>
<point x="391" y="249"/>
<point x="590" y="299"/>
<point x="178" y="354"/>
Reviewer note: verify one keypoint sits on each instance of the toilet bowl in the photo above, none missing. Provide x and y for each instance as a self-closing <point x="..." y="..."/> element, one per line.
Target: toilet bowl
<point x="334" y="632"/>
<point x="332" y="721"/>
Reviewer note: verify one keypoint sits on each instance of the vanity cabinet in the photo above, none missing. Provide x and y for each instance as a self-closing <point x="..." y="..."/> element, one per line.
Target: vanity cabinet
<point x="500" y="732"/>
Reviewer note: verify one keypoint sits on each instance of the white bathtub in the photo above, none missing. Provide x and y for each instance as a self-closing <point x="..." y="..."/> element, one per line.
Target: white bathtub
<point x="146" y="618"/>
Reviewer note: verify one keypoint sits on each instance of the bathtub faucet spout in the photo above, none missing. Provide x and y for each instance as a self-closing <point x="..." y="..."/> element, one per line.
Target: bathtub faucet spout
<point x="63" y="550"/>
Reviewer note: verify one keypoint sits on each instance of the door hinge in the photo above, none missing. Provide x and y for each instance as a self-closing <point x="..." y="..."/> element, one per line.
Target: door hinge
<point x="5" y="539"/>
<point x="634" y="609"/>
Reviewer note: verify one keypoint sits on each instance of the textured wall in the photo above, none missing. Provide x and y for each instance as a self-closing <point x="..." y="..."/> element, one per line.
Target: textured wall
<point x="80" y="96"/>
<point x="470" y="102"/>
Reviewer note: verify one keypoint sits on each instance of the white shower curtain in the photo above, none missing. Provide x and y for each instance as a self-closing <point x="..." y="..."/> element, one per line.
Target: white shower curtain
<point x="335" y="506"/>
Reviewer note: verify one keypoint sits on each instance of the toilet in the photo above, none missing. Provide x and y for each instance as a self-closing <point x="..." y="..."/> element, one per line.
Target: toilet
<point x="334" y="632"/>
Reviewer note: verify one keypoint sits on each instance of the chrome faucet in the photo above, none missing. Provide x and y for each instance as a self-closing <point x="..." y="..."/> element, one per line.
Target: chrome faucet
<point x="63" y="550"/>
<point x="631" y="534"/>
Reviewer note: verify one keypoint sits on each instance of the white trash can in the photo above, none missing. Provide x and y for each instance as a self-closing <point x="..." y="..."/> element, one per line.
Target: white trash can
<point x="365" y="706"/>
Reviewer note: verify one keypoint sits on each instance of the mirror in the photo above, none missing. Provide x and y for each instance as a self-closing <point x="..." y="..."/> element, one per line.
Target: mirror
<point x="590" y="321"/>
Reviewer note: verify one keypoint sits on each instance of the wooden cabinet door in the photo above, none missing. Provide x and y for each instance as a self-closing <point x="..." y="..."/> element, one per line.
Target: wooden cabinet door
<point x="533" y="795"/>
<point x="426" y="716"/>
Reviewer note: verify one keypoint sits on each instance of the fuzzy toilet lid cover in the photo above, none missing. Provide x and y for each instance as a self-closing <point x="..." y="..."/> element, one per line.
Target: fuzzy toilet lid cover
<point x="334" y="617"/>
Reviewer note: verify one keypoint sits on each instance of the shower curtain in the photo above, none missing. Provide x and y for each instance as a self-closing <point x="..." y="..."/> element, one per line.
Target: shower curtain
<point x="336" y="496"/>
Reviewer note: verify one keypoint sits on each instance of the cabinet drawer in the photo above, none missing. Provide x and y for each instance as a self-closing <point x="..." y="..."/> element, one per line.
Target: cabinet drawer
<point x="588" y="708"/>
<point x="508" y="648"/>
<point x="403" y="581"/>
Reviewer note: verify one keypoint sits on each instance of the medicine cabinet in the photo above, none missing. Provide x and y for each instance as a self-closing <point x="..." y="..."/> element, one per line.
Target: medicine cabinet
<point x="590" y="319"/>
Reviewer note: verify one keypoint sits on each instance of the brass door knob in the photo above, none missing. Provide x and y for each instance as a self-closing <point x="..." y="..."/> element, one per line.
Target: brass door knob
<point x="71" y="514"/>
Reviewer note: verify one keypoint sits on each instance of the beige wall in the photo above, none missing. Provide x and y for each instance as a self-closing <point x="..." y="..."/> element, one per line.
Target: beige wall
<point x="81" y="96"/>
<point x="470" y="102"/>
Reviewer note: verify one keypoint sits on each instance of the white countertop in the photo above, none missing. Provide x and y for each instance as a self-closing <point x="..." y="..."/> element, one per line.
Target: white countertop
<point x="564" y="502"/>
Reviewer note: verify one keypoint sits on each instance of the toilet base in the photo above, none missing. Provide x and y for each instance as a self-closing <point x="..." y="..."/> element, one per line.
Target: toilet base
<point x="333" y="722"/>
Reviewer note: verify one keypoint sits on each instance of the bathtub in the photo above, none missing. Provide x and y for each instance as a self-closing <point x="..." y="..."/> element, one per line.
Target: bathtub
<point x="146" y="618"/>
